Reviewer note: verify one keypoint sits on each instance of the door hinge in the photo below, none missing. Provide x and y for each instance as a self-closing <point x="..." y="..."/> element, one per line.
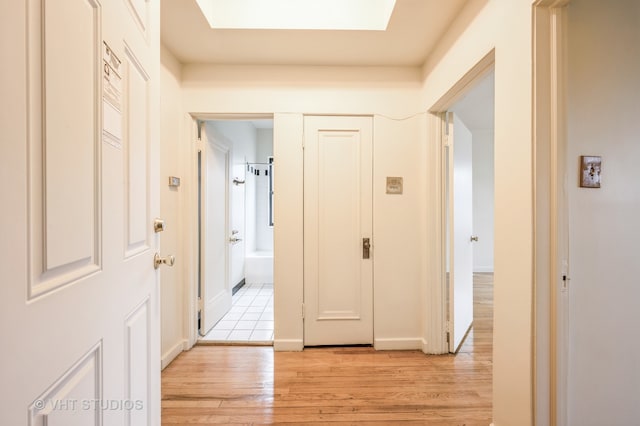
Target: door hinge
<point x="303" y="311"/>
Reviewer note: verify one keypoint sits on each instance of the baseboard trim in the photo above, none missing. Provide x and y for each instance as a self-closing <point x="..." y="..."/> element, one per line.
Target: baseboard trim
<point x="238" y="287"/>
<point x="288" y="345"/>
<point x="172" y="353"/>
<point x="397" y="344"/>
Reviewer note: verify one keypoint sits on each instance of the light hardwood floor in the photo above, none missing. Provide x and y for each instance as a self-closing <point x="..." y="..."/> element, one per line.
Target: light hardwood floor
<point x="235" y="385"/>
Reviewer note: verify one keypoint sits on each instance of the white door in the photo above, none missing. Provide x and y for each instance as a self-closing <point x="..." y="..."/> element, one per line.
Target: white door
<point x="237" y="215"/>
<point x="460" y="230"/>
<point x="338" y="273"/>
<point x="215" y="297"/>
<point x="79" y="305"/>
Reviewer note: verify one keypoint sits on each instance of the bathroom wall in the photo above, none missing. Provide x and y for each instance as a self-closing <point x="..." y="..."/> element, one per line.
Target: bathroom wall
<point x="264" y="232"/>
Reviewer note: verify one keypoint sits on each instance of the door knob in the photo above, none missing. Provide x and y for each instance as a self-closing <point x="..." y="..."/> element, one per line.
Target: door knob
<point x="159" y="260"/>
<point x="474" y="238"/>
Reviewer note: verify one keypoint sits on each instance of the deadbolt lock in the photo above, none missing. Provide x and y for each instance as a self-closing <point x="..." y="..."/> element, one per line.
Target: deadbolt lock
<point x="158" y="225"/>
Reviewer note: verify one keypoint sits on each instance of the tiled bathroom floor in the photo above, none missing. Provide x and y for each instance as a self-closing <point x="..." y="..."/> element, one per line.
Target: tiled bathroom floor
<point x="250" y="319"/>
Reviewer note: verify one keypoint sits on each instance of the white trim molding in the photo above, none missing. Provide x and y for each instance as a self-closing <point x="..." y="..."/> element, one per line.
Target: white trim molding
<point x="550" y="345"/>
<point x="172" y="353"/>
<point x="398" y="344"/>
<point x="288" y="345"/>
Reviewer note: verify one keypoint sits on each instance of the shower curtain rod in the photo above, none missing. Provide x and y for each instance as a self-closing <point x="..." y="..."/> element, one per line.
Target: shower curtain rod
<point x="263" y="164"/>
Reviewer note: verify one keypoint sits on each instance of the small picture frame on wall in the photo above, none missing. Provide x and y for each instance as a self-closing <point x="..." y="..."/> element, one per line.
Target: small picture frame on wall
<point x="590" y="170"/>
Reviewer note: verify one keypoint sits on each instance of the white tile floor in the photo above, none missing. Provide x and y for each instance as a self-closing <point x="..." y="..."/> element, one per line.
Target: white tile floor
<point x="250" y="318"/>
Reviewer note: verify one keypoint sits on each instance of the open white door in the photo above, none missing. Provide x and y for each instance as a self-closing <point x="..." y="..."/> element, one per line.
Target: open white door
<point x="79" y="305"/>
<point x="338" y="269"/>
<point x="215" y="287"/>
<point x="459" y="230"/>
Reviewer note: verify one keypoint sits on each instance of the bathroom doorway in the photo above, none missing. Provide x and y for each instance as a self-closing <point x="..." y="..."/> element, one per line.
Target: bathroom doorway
<point x="249" y="237"/>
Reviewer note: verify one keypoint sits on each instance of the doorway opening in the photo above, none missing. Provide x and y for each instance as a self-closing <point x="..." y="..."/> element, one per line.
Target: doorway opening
<point x="470" y="193"/>
<point x="235" y="271"/>
<point x="464" y="119"/>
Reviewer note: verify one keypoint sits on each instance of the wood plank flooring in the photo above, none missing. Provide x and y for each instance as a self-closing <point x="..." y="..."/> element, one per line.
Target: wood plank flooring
<point x="235" y="385"/>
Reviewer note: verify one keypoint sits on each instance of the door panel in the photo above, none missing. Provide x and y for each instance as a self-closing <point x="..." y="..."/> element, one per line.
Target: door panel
<point x="71" y="401"/>
<point x="338" y="287"/>
<point x="63" y="197"/>
<point x="136" y="152"/>
<point x="137" y="364"/>
<point x="79" y="321"/>
<point x="216" y="288"/>
<point x="461" y="228"/>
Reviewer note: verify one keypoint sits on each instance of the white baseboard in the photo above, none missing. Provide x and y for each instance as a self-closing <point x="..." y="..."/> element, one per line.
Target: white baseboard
<point x="430" y="350"/>
<point x="288" y="345"/>
<point x="483" y="269"/>
<point x="172" y="353"/>
<point x="397" y="344"/>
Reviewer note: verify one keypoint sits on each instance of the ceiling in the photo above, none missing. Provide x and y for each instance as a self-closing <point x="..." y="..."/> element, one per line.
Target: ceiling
<point x="476" y="108"/>
<point x="414" y="30"/>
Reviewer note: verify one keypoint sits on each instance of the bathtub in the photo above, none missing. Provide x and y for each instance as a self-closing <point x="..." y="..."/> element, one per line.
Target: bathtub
<point x="258" y="267"/>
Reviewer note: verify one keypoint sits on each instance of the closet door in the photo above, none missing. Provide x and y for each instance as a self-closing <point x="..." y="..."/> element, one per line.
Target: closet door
<point x="338" y="265"/>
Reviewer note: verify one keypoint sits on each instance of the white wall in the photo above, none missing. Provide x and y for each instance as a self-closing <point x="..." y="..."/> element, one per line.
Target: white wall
<point x="290" y="92"/>
<point x="506" y="26"/>
<point x="264" y="232"/>
<point x="398" y="232"/>
<point x="242" y="137"/>
<point x="171" y="282"/>
<point x="483" y="199"/>
<point x="603" y="111"/>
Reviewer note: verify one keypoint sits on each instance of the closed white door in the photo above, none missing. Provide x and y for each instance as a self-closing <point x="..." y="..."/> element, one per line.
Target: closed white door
<point x="338" y="270"/>
<point x="215" y="297"/>
<point x="460" y="223"/>
<point x="79" y="305"/>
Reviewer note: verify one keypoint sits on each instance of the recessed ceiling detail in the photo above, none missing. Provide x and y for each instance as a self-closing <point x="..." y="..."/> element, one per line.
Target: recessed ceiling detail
<point x="414" y="30"/>
<point x="368" y="15"/>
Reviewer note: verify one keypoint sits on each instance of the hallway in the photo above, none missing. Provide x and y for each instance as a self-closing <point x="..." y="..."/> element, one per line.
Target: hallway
<point x="244" y="385"/>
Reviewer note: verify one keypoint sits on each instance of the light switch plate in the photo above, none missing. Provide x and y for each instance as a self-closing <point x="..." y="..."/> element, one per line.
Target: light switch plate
<point x="394" y="185"/>
<point x="590" y="168"/>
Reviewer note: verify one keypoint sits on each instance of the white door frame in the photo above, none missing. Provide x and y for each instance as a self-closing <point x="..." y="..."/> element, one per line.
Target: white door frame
<point x="438" y="300"/>
<point x="550" y="216"/>
<point x="189" y="213"/>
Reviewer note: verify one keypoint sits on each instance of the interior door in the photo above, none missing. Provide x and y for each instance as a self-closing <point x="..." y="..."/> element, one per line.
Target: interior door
<point x="460" y="230"/>
<point x="338" y="270"/>
<point x="79" y="306"/>
<point x="237" y="215"/>
<point x="215" y="298"/>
